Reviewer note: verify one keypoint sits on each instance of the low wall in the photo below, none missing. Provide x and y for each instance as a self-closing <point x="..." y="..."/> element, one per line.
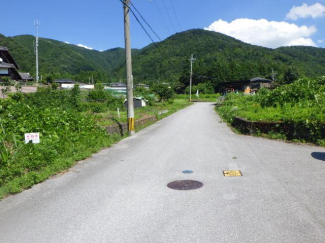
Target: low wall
<point x="252" y="127"/>
<point x="290" y="129"/>
<point x="122" y="128"/>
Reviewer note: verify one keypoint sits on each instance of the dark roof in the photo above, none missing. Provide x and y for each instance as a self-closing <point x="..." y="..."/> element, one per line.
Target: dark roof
<point x="6" y="56"/>
<point x="6" y="65"/>
<point x="26" y="76"/>
<point x="67" y="81"/>
<point x="252" y="80"/>
<point x="258" y="79"/>
<point x="63" y="81"/>
<point x="117" y="85"/>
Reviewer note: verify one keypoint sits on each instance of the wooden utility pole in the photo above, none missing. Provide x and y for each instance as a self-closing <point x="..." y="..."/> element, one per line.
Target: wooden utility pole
<point x="129" y="76"/>
<point x="192" y="59"/>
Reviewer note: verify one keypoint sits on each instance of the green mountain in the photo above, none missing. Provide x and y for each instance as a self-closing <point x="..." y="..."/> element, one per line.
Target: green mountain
<point x="61" y="59"/>
<point x="218" y="58"/>
<point x="221" y="58"/>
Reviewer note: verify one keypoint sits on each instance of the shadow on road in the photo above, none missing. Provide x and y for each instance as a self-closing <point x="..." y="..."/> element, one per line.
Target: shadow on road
<point x="318" y="155"/>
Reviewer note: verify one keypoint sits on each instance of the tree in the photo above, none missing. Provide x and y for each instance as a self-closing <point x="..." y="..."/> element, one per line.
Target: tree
<point x="291" y="74"/>
<point x="49" y="79"/>
<point x="163" y="91"/>
<point x="203" y="88"/>
<point x="75" y="98"/>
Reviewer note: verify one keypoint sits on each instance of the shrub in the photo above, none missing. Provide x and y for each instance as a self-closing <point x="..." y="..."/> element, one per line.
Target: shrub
<point x="163" y="91"/>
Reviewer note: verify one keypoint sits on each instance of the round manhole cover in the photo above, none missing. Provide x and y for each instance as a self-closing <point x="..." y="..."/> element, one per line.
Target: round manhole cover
<point x="185" y="185"/>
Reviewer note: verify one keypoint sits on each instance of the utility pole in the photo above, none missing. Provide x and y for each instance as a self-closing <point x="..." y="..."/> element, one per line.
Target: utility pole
<point x="192" y="59"/>
<point x="129" y="76"/>
<point x="37" y="24"/>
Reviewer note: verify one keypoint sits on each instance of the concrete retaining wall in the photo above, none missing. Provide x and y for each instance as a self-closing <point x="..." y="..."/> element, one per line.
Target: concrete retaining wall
<point x="290" y="129"/>
<point x="252" y="127"/>
<point x="122" y="128"/>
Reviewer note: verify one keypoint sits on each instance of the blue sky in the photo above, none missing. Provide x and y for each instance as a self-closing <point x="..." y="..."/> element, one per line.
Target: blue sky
<point x="98" y="24"/>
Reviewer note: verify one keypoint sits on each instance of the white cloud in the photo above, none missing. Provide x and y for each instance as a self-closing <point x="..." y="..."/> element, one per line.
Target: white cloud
<point x="320" y="41"/>
<point x="315" y="11"/>
<point x="66" y="42"/>
<point x="87" y="47"/>
<point x="265" y="33"/>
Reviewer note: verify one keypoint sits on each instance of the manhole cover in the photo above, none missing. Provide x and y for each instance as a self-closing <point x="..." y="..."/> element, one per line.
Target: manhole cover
<point x="185" y="185"/>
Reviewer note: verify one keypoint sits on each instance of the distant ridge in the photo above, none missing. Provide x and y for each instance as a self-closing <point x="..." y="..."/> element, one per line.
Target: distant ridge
<point x="167" y="60"/>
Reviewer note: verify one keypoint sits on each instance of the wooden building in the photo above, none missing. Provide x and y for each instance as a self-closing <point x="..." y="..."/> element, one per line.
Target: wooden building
<point x="246" y="86"/>
<point x="26" y="77"/>
<point x="8" y="66"/>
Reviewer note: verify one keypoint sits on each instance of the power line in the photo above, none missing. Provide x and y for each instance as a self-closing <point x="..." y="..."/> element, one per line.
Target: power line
<point x="139" y="23"/>
<point x="171" y="3"/>
<point x="163" y="54"/>
<point x="169" y="15"/>
<point x="145" y="21"/>
<point x="161" y="16"/>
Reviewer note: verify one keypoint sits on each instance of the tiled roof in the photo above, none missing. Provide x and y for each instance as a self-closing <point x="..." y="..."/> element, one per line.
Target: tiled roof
<point x="25" y="76"/>
<point x="5" y="54"/>
<point x="256" y="79"/>
<point x="6" y="65"/>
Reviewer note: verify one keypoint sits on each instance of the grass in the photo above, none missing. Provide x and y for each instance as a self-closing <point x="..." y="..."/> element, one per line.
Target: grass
<point x="303" y="116"/>
<point x="201" y="98"/>
<point x="110" y="117"/>
<point x="33" y="163"/>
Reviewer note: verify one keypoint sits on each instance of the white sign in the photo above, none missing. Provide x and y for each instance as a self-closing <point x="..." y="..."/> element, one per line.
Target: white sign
<point x="162" y="112"/>
<point x="34" y="137"/>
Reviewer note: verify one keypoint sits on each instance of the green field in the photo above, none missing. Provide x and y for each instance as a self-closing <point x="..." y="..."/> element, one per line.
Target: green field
<point x="300" y="104"/>
<point x="70" y="130"/>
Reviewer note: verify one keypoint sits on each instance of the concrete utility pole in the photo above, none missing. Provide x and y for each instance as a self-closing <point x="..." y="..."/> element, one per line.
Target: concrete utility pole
<point x="192" y="59"/>
<point x="129" y="76"/>
<point x="37" y="24"/>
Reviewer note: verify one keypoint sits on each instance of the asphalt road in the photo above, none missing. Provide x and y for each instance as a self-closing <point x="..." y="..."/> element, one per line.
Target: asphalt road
<point x="120" y="194"/>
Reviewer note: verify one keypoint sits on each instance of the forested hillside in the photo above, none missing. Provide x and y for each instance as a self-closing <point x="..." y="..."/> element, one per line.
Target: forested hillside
<point x="221" y="58"/>
<point x="60" y="59"/>
<point x="218" y="58"/>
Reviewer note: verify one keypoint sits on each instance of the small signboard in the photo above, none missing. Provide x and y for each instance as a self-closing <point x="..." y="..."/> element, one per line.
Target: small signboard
<point x="33" y="137"/>
<point x="162" y="112"/>
<point x="232" y="173"/>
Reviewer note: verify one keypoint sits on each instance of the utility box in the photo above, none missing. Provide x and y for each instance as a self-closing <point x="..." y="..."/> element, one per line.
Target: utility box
<point x="138" y="102"/>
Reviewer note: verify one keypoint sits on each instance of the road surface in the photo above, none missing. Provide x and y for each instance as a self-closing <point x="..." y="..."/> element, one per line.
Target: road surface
<point x="24" y="89"/>
<point x="120" y="194"/>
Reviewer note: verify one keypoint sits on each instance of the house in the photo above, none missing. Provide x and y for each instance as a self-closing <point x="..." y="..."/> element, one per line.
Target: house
<point x="116" y="87"/>
<point x="8" y="66"/>
<point x="69" y="84"/>
<point x="247" y="86"/>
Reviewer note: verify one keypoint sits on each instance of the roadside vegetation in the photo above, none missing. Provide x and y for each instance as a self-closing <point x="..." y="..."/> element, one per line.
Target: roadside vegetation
<point x="71" y="124"/>
<point x="300" y="105"/>
<point x="201" y="97"/>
